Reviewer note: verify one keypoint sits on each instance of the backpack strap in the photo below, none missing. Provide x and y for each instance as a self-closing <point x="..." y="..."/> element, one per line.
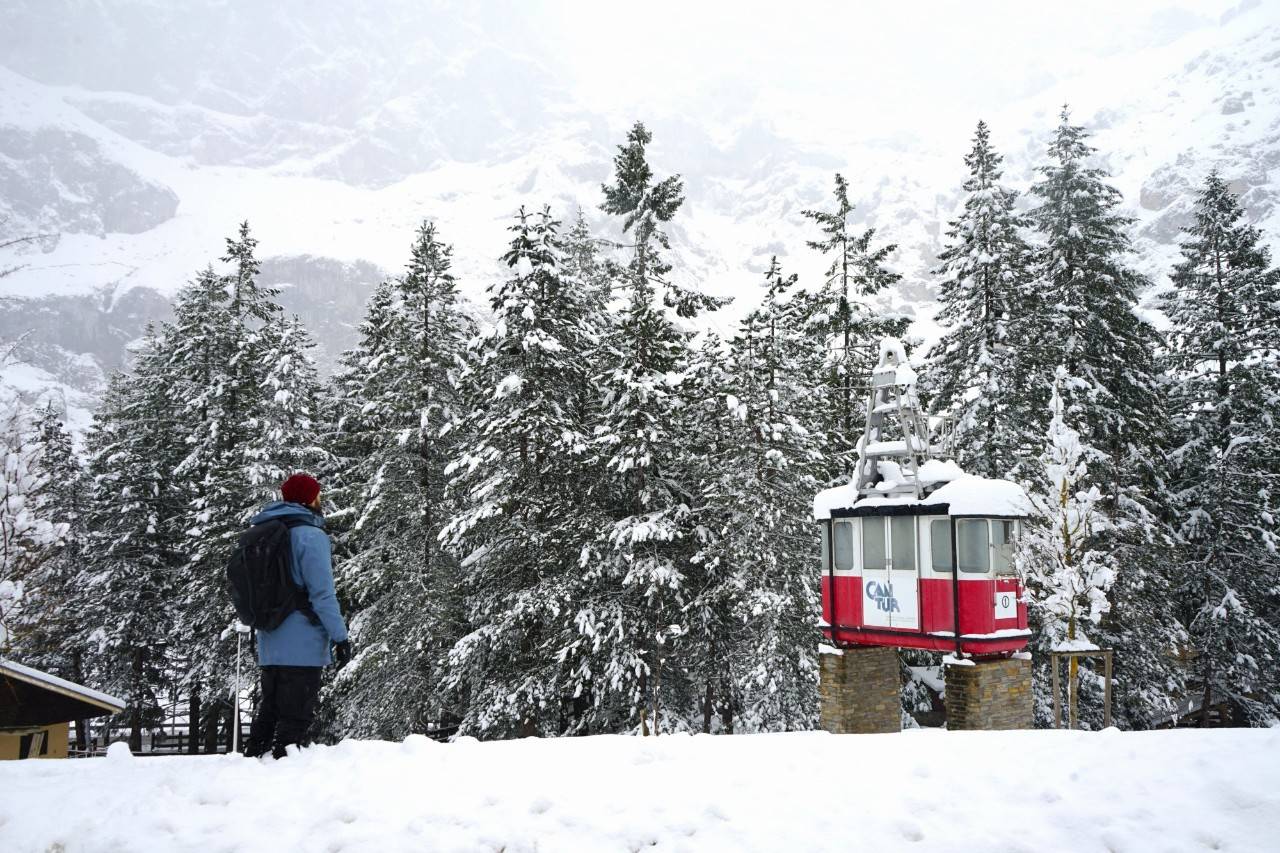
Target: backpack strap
<point x="302" y="599"/>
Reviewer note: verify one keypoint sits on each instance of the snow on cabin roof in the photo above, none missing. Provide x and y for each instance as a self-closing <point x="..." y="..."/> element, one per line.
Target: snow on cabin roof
<point x="963" y="495"/>
<point x="60" y="685"/>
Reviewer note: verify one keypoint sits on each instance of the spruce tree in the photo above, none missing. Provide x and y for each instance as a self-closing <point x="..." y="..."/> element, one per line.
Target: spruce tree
<point x="986" y="302"/>
<point x="133" y="553"/>
<point x="1088" y="296"/>
<point x="525" y="513"/>
<point x="1223" y="351"/>
<point x="399" y="427"/>
<point x="1086" y="320"/>
<point x="846" y="323"/>
<point x="755" y="612"/>
<point x="29" y="534"/>
<point x="244" y="403"/>
<point x="48" y="633"/>
<point x="635" y="580"/>
<point x="1068" y="574"/>
<point x="582" y="266"/>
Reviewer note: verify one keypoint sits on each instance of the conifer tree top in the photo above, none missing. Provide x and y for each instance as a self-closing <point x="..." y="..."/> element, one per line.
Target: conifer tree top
<point x="634" y="196"/>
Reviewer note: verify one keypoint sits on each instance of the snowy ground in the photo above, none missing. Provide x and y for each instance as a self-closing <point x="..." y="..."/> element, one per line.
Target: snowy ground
<point x="921" y="790"/>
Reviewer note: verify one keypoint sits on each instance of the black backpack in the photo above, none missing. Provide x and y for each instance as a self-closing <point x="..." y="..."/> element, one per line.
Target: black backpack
<point x="259" y="574"/>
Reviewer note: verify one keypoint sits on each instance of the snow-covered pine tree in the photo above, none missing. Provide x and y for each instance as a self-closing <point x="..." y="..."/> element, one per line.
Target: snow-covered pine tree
<point x="583" y="268"/>
<point x="986" y="299"/>
<point x="717" y="640"/>
<point x="634" y="583"/>
<point x="581" y="265"/>
<point x="28" y="532"/>
<point x="1226" y="374"/>
<point x="1087" y="320"/>
<point x="195" y="357"/>
<point x="525" y="511"/>
<point x="398" y="428"/>
<point x="754" y="614"/>
<point x="245" y="397"/>
<point x="133" y="554"/>
<point x="846" y="323"/>
<point x="49" y="633"/>
<point x="1068" y="574"/>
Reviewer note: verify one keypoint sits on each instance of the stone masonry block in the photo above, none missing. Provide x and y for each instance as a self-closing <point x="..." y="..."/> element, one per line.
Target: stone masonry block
<point x="860" y="690"/>
<point x="989" y="695"/>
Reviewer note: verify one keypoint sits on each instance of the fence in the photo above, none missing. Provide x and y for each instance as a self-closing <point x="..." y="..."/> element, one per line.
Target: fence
<point x="173" y="734"/>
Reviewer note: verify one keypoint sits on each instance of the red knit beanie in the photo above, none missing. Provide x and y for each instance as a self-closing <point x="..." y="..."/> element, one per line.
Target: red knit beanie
<point x="300" y="489"/>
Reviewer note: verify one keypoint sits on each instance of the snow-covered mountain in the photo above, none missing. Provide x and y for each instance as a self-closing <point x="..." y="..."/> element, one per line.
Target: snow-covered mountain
<point x="136" y="135"/>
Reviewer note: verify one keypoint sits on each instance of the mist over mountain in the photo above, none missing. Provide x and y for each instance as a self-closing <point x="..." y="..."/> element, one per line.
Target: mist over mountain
<point x="137" y="135"/>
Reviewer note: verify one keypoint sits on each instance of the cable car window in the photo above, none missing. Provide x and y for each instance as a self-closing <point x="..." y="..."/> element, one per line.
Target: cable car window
<point x="826" y="546"/>
<point x="972" y="545"/>
<point x="874" y="557"/>
<point x="940" y="545"/>
<point x="902" y="530"/>
<point x="1002" y="535"/>
<point x="844" y="546"/>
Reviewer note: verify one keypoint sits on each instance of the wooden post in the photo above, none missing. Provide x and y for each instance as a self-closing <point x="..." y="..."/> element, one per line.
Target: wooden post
<point x="1057" y="709"/>
<point x="1055" y="662"/>
<point x="1106" y="697"/>
<point x="1073" y="679"/>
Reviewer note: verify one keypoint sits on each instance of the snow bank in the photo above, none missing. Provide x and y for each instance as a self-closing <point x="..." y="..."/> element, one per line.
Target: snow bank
<point x="119" y="752"/>
<point x="924" y="790"/>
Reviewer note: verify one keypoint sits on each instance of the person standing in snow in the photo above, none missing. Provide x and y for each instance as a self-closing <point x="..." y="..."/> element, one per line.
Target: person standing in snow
<point x="292" y="656"/>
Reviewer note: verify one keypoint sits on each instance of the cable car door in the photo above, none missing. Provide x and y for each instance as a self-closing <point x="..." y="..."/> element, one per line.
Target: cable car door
<point x="904" y="573"/>
<point x="877" y="589"/>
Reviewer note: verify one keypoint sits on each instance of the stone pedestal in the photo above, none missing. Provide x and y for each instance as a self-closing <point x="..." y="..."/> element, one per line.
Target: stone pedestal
<point x="860" y="690"/>
<point x="989" y="695"/>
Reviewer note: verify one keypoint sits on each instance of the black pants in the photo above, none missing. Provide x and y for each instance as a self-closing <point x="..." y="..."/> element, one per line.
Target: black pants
<point x="288" y="705"/>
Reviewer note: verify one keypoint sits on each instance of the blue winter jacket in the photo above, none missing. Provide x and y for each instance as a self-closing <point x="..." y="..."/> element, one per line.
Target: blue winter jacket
<point x="298" y="641"/>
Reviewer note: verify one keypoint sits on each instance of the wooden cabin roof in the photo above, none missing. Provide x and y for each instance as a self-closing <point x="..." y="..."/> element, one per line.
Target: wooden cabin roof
<point x="31" y="698"/>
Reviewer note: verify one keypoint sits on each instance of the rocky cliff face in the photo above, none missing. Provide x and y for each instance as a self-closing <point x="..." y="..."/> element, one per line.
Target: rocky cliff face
<point x="54" y="181"/>
<point x="65" y="346"/>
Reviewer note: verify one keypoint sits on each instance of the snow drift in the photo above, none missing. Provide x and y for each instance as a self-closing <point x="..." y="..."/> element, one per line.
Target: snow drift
<point x="920" y="790"/>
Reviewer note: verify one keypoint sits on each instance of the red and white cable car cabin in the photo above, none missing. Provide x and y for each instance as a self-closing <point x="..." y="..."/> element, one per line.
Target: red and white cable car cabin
<point x="888" y="565"/>
<point x="916" y="553"/>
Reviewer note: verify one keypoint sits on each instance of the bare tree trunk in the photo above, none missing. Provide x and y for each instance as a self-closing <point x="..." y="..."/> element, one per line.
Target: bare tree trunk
<point x="708" y="708"/>
<point x="193" y="720"/>
<point x="82" y="726"/>
<point x="1207" y="698"/>
<point x="726" y="713"/>
<point x="644" y="704"/>
<point x="1073" y="675"/>
<point x="580" y="706"/>
<point x="657" y="698"/>
<point x="135" y="713"/>
<point x="211" y="730"/>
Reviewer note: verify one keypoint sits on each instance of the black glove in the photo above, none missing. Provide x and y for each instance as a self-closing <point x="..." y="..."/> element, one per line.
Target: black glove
<point x="342" y="651"/>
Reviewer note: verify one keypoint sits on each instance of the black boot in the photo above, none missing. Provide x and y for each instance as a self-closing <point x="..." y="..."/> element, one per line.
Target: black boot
<point x="256" y="749"/>
<point x="281" y="749"/>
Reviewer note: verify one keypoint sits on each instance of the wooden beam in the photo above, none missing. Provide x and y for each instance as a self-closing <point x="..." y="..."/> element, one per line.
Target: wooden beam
<point x="1057" y="712"/>
<point x="1106" y="695"/>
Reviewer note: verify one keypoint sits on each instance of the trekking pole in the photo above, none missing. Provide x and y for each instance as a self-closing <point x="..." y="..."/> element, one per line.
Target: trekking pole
<point x="235" y="716"/>
<point x="235" y="699"/>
